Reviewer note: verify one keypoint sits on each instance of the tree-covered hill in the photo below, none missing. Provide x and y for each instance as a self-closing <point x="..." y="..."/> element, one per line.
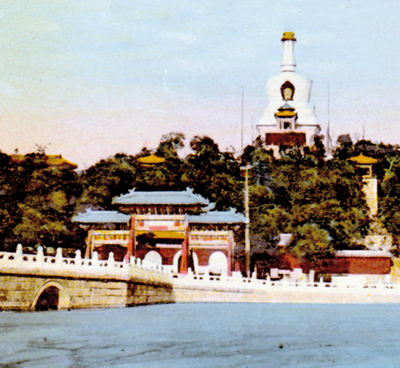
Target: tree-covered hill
<point x="318" y="200"/>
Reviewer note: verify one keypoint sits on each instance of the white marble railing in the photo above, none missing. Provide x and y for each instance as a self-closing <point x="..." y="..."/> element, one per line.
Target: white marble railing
<point x="40" y="261"/>
<point x="253" y="282"/>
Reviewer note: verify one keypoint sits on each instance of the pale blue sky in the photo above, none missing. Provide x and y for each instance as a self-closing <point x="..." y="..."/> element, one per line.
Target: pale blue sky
<point x="88" y="79"/>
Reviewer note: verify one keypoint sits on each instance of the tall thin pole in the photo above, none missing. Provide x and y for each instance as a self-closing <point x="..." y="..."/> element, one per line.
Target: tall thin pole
<point x="242" y="117"/>
<point x="328" y="130"/>
<point x="247" y="214"/>
<point x="252" y="129"/>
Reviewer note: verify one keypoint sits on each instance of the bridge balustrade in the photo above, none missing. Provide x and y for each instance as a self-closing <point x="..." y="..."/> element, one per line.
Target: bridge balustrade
<point x="20" y="262"/>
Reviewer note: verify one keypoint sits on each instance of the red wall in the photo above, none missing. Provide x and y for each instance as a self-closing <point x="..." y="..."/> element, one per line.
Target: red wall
<point x="286" y="139"/>
<point x="357" y="266"/>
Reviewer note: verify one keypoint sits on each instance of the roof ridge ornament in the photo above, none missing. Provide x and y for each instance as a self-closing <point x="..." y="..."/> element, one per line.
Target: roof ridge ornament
<point x="288" y="36"/>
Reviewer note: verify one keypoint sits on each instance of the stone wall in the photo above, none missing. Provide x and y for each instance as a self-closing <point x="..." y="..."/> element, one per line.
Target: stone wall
<point x="22" y="292"/>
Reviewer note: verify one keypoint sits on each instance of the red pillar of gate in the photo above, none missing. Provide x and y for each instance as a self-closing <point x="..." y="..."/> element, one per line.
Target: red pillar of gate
<point x="185" y="252"/>
<point x="132" y="239"/>
<point x="230" y="256"/>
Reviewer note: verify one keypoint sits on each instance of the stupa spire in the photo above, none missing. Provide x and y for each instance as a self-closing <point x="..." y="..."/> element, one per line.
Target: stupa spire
<point x="288" y="60"/>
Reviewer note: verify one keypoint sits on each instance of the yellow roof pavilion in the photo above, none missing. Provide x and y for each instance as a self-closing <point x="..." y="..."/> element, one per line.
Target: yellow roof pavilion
<point x="363" y="160"/>
<point x="51" y="160"/>
<point x="151" y="160"/>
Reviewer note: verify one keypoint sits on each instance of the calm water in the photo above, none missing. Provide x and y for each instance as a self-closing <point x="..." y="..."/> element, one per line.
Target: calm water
<point x="204" y="335"/>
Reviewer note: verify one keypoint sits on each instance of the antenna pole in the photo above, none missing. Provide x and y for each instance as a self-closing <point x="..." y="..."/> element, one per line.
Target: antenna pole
<point x="242" y="117"/>
<point x="328" y="131"/>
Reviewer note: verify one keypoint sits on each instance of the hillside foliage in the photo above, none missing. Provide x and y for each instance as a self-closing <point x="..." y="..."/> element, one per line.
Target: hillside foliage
<point x="318" y="200"/>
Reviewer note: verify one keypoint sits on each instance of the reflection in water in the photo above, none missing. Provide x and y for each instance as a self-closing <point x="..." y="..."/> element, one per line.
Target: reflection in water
<point x="204" y="335"/>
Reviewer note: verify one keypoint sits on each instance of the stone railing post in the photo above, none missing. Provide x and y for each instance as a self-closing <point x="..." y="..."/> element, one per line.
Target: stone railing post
<point x="40" y="256"/>
<point x="95" y="259"/>
<point x="18" y="254"/>
<point x="59" y="256"/>
<point x="111" y="260"/>
<point x="311" y="276"/>
<point x="78" y="258"/>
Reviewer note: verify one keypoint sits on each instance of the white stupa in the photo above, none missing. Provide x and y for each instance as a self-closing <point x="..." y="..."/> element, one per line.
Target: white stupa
<point x="288" y="119"/>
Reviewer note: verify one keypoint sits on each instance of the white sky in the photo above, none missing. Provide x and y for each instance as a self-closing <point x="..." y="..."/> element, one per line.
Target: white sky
<point x="91" y="78"/>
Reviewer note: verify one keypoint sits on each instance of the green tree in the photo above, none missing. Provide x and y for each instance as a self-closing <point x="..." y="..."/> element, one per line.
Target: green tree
<point x="38" y="202"/>
<point x="166" y="176"/>
<point x="320" y="202"/>
<point x="105" y="180"/>
<point x="214" y="174"/>
<point x="389" y="198"/>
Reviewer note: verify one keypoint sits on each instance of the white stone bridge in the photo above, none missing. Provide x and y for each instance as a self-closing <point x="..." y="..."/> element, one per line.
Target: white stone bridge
<point x="40" y="282"/>
<point x="35" y="282"/>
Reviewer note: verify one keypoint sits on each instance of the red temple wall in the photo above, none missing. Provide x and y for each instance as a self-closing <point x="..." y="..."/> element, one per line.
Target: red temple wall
<point x="286" y="139"/>
<point x="357" y="266"/>
<point x="345" y="265"/>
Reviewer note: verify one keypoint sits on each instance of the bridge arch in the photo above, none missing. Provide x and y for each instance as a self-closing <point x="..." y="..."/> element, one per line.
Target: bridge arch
<point x="51" y="295"/>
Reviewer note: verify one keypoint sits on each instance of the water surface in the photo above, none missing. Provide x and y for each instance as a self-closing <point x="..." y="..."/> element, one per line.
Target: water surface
<point x="205" y="335"/>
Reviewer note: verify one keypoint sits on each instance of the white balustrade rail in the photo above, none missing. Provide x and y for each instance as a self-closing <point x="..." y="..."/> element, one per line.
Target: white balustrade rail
<point x="345" y="284"/>
<point x="20" y="262"/>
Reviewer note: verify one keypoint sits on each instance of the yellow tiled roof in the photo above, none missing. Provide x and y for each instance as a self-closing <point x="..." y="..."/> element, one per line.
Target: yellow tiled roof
<point x="152" y="159"/>
<point x="51" y="160"/>
<point x="58" y="160"/>
<point x="364" y="160"/>
<point x="285" y="113"/>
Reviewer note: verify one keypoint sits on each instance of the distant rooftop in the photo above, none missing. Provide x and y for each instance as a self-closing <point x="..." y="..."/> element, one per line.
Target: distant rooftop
<point x="363" y="253"/>
<point x="104" y="217"/>
<point x="186" y="197"/>
<point x="151" y="160"/>
<point x="284" y="239"/>
<point x="218" y="217"/>
<point x="212" y="217"/>
<point x="361" y="159"/>
<point x="51" y="160"/>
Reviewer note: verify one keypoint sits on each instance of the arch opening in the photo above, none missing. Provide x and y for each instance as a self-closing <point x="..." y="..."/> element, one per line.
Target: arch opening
<point x="193" y="262"/>
<point x="48" y="299"/>
<point x="153" y="257"/>
<point x="218" y="263"/>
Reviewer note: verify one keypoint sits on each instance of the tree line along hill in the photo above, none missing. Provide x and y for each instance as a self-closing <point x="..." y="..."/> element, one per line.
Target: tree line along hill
<point x="318" y="200"/>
